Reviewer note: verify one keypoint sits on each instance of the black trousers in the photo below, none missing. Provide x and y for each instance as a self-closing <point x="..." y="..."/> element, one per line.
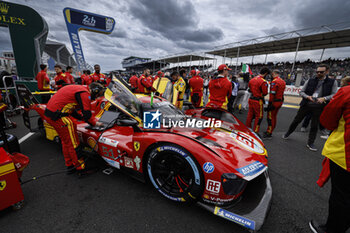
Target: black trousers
<point x="315" y="110"/>
<point x="307" y="120"/>
<point x="339" y="201"/>
<point x="231" y="100"/>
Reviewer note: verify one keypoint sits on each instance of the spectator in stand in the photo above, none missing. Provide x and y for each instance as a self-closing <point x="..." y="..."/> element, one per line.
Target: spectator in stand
<point x="316" y="93"/>
<point x="134" y="82"/>
<point x="43" y="83"/>
<point x="60" y="78"/>
<point x="69" y="75"/>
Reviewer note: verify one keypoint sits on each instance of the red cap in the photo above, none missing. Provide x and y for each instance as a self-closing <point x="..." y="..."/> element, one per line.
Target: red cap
<point x="159" y="72"/>
<point x="193" y="72"/>
<point x="223" y="67"/>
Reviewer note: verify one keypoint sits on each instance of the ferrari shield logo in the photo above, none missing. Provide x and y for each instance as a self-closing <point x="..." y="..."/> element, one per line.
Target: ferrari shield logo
<point x="2" y="185"/>
<point x="137" y="146"/>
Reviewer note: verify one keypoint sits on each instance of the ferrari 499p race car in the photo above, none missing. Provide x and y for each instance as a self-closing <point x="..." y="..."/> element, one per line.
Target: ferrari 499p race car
<point x="207" y="156"/>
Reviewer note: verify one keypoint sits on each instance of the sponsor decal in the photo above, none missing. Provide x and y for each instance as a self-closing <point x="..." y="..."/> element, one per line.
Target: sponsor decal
<point x="92" y="143"/>
<point x="208" y="167"/>
<point x="250" y="224"/>
<point x="108" y="141"/>
<point x="137" y="161"/>
<point x="2" y="185"/>
<point x="112" y="162"/>
<point x="252" y="169"/>
<point x="248" y="142"/>
<point x="216" y="200"/>
<point x="137" y="146"/>
<point x="128" y="162"/>
<point x="213" y="186"/>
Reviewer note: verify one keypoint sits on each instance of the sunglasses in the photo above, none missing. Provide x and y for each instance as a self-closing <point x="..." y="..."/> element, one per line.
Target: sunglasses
<point x="321" y="72"/>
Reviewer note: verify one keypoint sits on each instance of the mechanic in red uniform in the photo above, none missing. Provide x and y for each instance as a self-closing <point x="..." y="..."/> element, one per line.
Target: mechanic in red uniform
<point x="68" y="73"/>
<point x="43" y="83"/>
<point x="220" y="89"/>
<point x="258" y="87"/>
<point x="86" y="78"/>
<point x="134" y="82"/>
<point x="160" y="74"/>
<point x="146" y="82"/>
<point x="59" y="112"/>
<point x="60" y="78"/>
<point x="196" y="88"/>
<point x="275" y="102"/>
<point x="97" y="76"/>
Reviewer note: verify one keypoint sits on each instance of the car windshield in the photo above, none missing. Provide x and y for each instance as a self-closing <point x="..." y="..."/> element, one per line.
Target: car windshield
<point x="169" y="112"/>
<point x="123" y="98"/>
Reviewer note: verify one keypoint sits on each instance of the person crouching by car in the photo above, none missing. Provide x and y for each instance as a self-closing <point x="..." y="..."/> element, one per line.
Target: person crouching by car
<point x="59" y="112"/>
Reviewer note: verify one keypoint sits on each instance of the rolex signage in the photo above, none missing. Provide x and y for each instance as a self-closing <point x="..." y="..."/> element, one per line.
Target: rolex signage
<point x="28" y="32"/>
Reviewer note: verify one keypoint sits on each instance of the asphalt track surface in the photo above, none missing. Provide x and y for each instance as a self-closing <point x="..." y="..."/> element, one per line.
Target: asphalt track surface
<point x="119" y="203"/>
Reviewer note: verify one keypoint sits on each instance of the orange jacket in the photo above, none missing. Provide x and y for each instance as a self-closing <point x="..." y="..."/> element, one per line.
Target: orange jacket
<point x="277" y="89"/>
<point x="43" y="81"/>
<point x="258" y="87"/>
<point x="220" y="89"/>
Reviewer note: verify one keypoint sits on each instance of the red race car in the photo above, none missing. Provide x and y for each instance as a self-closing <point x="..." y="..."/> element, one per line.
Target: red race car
<point x="206" y="157"/>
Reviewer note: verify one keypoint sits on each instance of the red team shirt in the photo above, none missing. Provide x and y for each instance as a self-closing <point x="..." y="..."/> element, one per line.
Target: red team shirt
<point x="43" y="81"/>
<point x="220" y="89"/>
<point x="258" y="87"/>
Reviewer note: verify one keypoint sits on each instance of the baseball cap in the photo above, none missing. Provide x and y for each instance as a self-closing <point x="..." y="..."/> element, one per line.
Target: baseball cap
<point x="223" y="67"/>
<point x="159" y="72"/>
<point x="193" y="72"/>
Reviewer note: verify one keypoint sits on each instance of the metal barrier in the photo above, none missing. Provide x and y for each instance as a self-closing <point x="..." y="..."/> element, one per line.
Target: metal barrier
<point x="7" y="89"/>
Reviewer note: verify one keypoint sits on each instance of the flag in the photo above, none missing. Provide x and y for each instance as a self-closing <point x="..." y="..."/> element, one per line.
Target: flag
<point x="246" y="69"/>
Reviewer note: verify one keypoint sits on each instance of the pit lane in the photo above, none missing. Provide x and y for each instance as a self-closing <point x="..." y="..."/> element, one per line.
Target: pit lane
<point x="117" y="203"/>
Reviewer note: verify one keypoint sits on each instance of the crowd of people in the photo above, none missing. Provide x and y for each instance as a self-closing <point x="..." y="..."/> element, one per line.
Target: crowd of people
<point x="322" y="103"/>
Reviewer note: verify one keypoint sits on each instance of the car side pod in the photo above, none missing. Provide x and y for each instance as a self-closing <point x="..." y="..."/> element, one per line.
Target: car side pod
<point x="251" y="211"/>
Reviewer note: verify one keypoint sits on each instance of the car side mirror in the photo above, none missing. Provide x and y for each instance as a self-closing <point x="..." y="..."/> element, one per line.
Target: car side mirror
<point x="127" y="122"/>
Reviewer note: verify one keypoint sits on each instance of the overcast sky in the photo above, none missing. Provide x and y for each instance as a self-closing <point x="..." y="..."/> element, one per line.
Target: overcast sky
<point x="156" y="28"/>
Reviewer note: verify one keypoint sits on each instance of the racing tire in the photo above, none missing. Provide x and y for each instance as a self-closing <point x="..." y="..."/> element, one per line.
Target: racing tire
<point x="174" y="173"/>
<point x="12" y="142"/>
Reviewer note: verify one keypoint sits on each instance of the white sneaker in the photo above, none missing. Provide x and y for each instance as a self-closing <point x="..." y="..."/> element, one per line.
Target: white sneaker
<point x="325" y="137"/>
<point x="303" y="129"/>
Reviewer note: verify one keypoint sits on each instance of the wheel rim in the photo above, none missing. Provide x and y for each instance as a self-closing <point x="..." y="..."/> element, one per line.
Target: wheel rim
<point x="173" y="174"/>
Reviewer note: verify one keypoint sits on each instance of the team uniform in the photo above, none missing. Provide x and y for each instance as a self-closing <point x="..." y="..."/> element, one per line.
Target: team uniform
<point x="336" y="117"/>
<point x="70" y="78"/>
<point x="220" y="89"/>
<point x="100" y="78"/>
<point x="59" y="110"/>
<point x="134" y="82"/>
<point x="196" y="88"/>
<point x="259" y="88"/>
<point x="145" y="84"/>
<point x="180" y="86"/>
<point x="61" y="79"/>
<point x="86" y="79"/>
<point x="275" y="102"/>
<point x="43" y="81"/>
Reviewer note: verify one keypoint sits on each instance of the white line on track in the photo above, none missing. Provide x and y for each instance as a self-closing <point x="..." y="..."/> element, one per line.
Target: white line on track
<point x="28" y="135"/>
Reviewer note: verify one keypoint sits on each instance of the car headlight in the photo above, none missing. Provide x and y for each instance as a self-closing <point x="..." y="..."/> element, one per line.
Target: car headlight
<point x="232" y="184"/>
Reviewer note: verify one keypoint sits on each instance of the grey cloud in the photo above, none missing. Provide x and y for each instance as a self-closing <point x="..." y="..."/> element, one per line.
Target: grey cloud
<point x="322" y="12"/>
<point x="175" y="20"/>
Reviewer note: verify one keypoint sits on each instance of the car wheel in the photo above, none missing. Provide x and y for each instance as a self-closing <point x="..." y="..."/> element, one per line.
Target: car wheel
<point x="175" y="173"/>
